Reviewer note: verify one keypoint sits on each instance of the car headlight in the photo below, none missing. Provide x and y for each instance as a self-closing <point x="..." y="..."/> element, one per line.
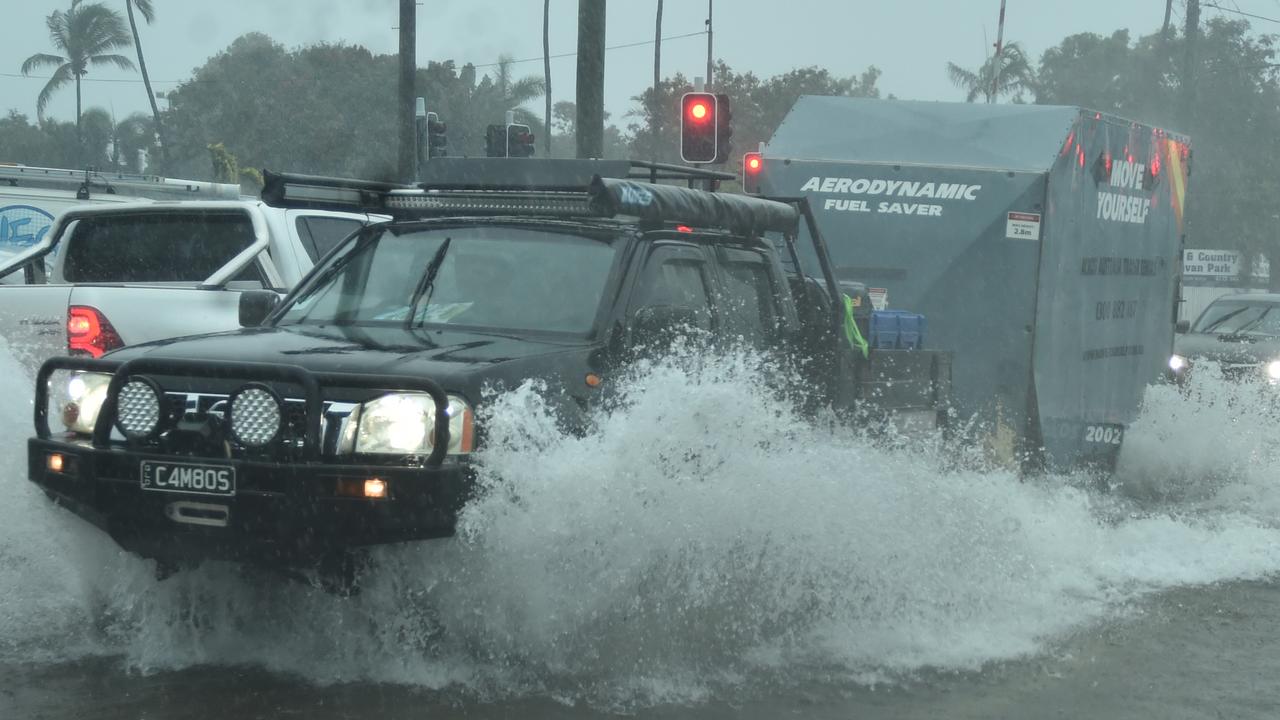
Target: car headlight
<point x="85" y="393"/>
<point x="1273" y="369"/>
<point x="404" y="424"/>
<point x="1177" y="363"/>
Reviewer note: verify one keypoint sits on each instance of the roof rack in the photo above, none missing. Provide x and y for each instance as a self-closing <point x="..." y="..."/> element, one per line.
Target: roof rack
<point x="86" y="182"/>
<point x="549" y="174"/>
<point x="545" y="188"/>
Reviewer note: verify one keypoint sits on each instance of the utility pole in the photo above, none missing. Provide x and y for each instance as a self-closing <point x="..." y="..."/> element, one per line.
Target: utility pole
<point x="1189" y="66"/>
<point x="590" y="120"/>
<point x="1164" y="29"/>
<point x="710" y="81"/>
<point x="405" y="106"/>
<point x="655" y="108"/>
<point x="995" y="60"/>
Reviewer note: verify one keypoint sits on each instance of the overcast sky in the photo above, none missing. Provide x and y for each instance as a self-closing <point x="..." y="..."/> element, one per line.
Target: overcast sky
<point x="909" y="40"/>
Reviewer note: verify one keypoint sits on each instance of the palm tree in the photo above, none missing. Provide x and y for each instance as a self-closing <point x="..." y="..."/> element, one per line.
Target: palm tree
<point x="149" y="14"/>
<point x="515" y="91"/>
<point x="1007" y="74"/>
<point x="84" y="33"/>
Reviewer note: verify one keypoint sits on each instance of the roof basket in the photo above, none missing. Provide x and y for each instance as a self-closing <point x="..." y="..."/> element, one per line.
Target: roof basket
<point x="546" y="188"/>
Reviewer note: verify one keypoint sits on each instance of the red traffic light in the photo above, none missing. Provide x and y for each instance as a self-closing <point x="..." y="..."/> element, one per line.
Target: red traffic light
<point x="752" y="164"/>
<point x="698" y="127"/>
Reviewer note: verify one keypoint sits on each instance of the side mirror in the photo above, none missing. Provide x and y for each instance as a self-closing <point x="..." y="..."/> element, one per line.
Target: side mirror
<point x="1183" y="327"/>
<point x="256" y="305"/>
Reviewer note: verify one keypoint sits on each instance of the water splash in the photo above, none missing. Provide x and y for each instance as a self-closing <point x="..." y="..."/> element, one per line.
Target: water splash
<point x="699" y="538"/>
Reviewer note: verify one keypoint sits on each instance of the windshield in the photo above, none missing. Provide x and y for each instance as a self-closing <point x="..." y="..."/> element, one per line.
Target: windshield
<point x="496" y="278"/>
<point x="1240" y="318"/>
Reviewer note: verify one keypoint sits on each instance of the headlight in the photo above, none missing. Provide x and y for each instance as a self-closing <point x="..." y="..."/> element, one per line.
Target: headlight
<point x="85" y="393"/>
<point x="1273" y="369"/>
<point x="404" y="424"/>
<point x="1177" y="363"/>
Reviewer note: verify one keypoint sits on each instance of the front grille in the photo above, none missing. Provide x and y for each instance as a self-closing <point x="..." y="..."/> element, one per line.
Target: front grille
<point x="192" y="408"/>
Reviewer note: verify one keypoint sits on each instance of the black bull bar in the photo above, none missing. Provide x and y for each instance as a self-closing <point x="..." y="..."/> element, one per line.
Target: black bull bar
<point x="312" y="384"/>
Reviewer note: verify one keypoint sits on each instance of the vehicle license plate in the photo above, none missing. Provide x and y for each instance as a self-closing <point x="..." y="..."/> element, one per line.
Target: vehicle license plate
<point x="182" y="477"/>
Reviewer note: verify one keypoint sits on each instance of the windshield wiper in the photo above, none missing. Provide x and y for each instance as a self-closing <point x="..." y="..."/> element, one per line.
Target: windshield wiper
<point x="1224" y="318"/>
<point x="428" y="281"/>
<point x="321" y="280"/>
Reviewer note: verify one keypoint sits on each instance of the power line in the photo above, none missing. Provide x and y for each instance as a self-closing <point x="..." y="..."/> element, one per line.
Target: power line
<point x="1238" y="11"/>
<point x="85" y="79"/>
<point x="483" y="65"/>
<point x="611" y="47"/>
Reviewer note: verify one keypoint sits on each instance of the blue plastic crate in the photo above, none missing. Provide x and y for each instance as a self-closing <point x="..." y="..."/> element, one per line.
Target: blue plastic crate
<point x="911" y="331"/>
<point x="884" y="329"/>
<point x="896" y="329"/>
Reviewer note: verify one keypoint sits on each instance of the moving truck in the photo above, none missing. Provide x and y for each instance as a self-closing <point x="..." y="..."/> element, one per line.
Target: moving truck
<point x="1042" y="243"/>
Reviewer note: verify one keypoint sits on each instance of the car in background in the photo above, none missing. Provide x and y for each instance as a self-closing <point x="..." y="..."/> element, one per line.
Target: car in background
<point x="110" y="275"/>
<point x="1241" y="333"/>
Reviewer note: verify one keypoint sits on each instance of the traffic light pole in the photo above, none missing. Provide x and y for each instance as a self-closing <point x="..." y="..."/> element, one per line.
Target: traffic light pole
<point x="710" y="83"/>
<point x="420" y="137"/>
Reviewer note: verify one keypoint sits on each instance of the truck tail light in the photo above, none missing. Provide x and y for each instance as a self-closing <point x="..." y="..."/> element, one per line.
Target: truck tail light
<point x="89" y="332"/>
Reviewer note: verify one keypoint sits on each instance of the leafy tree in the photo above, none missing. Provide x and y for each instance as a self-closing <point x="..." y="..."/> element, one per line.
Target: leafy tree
<point x="1234" y="124"/>
<point x="49" y="144"/>
<point x="97" y="130"/>
<point x="132" y="136"/>
<point x="1008" y="74"/>
<point x="148" y="13"/>
<point x="564" y="138"/>
<point x="327" y="109"/>
<point x="85" y="34"/>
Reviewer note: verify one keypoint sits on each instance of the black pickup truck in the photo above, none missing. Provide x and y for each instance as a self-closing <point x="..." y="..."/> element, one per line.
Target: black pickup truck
<point x="345" y="415"/>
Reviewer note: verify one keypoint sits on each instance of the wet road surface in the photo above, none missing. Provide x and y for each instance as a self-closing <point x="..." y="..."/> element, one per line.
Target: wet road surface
<point x="1211" y="652"/>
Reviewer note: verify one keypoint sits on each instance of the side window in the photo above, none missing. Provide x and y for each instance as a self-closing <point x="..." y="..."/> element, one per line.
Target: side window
<point x="749" y="292"/>
<point x="675" y="278"/>
<point x="252" y="274"/>
<point x="321" y="234"/>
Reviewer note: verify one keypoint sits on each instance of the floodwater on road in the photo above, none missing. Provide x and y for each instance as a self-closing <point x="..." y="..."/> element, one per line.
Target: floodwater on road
<point x="1210" y="652"/>
<point x="703" y="553"/>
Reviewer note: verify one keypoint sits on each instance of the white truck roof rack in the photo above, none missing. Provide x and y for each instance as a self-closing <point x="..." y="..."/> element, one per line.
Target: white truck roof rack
<point x="152" y="187"/>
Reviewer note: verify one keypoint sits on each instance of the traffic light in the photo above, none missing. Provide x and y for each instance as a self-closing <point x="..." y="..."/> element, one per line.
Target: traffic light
<point x="752" y="164"/>
<point x="519" y="140"/>
<point x="437" y="143"/>
<point x="511" y="140"/>
<point x="698" y="127"/>
<point x="724" y="129"/>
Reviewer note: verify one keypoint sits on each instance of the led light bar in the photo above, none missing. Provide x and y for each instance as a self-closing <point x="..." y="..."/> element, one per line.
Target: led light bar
<point x="564" y="204"/>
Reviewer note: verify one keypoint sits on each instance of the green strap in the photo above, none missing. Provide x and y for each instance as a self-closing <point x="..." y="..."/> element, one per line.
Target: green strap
<point x="851" y="327"/>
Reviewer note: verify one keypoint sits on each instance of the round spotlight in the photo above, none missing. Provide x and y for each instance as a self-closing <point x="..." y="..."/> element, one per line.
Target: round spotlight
<point x="138" y="408"/>
<point x="256" y="415"/>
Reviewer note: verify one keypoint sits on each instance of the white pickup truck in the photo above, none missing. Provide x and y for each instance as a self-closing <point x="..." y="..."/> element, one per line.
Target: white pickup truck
<point x="111" y="275"/>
